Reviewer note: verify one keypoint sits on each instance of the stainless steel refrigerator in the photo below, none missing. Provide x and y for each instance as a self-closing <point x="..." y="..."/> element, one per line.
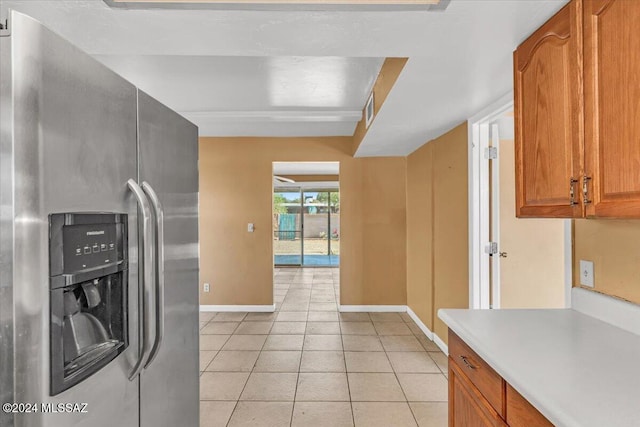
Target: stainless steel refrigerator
<point x="99" y="256"/>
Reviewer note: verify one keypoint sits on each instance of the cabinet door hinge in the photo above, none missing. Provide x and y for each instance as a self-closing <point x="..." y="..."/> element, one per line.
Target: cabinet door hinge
<point x="491" y="153"/>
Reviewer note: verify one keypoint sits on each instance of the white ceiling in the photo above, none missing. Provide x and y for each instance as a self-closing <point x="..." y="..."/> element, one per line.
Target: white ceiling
<point x="257" y="95"/>
<point x="306" y="168"/>
<point x="460" y="59"/>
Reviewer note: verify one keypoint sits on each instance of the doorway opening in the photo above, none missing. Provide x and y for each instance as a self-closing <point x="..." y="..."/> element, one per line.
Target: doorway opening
<point x="513" y="262"/>
<point x="306" y="214"/>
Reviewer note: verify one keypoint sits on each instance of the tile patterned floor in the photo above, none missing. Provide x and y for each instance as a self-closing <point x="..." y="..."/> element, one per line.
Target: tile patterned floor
<point x="309" y="365"/>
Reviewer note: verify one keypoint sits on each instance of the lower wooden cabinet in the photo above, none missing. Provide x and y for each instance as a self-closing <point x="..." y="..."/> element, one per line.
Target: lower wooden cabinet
<point x="479" y="397"/>
<point x="479" y="373"/>
<point x="467" y="407"/>
<point x="520" y="412"/>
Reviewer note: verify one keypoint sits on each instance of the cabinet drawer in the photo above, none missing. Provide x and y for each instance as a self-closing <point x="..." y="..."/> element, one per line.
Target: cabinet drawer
<point x="467" y="406"/>
<point x="521" y="413"/>
<point x="485" y="379"/>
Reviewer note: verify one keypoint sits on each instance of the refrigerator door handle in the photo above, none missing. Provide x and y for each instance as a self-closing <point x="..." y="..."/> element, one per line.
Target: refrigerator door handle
<point x="147" y="261"/>
<point x="159" y="213"/>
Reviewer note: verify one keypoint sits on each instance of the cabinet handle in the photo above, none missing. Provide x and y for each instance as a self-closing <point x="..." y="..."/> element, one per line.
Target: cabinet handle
<point x="467" y="363"/>
<point x="572" y="191"/>
<point x="585" y="189"/>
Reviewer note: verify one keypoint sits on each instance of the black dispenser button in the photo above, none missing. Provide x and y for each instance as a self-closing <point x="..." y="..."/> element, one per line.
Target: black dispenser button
<point x="87" y="250"/>
<point x="103" y="247"/>
<point x="96" y="249"/>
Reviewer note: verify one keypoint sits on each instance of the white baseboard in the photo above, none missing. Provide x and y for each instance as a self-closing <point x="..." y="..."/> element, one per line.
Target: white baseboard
<point x="247" y="308"/>
<point x="425" y="330"/>
<point x="429" y="334"/>
<point x="373" y="308"/>
<point x="441" y="344"/>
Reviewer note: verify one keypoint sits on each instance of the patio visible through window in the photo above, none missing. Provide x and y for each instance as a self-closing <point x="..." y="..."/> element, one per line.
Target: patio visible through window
<point x="306" y="227"/>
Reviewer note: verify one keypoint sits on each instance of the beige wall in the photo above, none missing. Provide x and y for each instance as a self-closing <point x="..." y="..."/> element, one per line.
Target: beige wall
<point x="614" y="247"/>
<point x="437" y="228"/>
<point x="532" y="275"/>
<point x="451" y="224"/>
<point x="420" y="233"/>
<point x="236" y="188"/>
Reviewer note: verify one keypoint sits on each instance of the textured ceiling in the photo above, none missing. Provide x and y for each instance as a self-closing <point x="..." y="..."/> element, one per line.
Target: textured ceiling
<point x="459" y="59"/>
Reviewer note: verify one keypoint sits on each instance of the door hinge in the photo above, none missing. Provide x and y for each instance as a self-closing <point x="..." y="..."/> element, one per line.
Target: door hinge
<point x="491" y="153"/>
<point x="4" y="28"/>
<point x="491" y="248"/>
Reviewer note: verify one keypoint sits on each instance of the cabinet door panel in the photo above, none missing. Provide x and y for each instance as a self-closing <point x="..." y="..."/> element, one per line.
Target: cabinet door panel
<point x="548" y="116"/>
<point x="521" y="413"/>
<point x="467" y="406"/>
<point x="612" y="107"/>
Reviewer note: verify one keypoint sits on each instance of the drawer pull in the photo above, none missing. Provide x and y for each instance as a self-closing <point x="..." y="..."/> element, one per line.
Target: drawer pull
<point x="467" y="363"/>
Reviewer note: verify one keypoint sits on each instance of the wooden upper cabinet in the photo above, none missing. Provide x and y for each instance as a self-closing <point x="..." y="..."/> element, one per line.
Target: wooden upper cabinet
<point x="612" y="107"/>
<point x="548" y="117"/>
<point x="569" y="144"/>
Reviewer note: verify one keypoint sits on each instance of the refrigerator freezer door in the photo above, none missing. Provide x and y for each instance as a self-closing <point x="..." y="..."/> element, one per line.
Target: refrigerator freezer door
<point x="168" y="147"/>
<point x="6" y="231"/>
<point x="73" y="150"/>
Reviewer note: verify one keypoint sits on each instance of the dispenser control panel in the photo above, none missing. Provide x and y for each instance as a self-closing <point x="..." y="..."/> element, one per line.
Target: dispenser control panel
<point x="88" y="246"/>
<point x="84" y="241"/>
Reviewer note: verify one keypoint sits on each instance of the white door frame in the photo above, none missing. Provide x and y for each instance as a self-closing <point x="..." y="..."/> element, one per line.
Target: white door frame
<point x="494" y="135"/>
<point x="479" y="138"/>
<point x="479" y="279"/>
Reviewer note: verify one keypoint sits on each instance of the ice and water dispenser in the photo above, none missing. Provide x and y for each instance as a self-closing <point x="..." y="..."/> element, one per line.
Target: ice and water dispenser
<point x="88" y="286"/>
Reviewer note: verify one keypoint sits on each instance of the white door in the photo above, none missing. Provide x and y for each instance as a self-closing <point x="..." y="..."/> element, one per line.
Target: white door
<point x="529" y="269"/>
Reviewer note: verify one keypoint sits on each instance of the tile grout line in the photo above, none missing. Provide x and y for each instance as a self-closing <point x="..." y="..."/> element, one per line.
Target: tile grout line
<point x="293" y="406"/>
<point x="332" y="401"/>
<point x="245" y="383"/>
<point x="217" y="351"/>
<point x="344" y="356"/>
<point x="311" y="290"/>
<point x="395" y="374"/>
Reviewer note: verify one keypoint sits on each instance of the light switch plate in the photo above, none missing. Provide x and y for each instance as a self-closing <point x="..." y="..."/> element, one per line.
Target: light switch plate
<point x="206" y="287"/>
<point x="250" y="227"/>
<point x="586" y="273"/>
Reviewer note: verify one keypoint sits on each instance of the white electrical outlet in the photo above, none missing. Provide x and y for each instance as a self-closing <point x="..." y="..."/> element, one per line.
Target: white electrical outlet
<point x="586" y="273"/>
<point x="206" y="287"/>
<point x="250" y="227"/>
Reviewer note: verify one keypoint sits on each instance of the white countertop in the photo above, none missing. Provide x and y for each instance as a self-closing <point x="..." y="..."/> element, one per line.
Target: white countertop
<point x="576" y="370"/>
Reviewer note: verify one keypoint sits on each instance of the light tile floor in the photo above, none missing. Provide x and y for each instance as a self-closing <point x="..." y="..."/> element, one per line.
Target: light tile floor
<point x="309" y="365"/>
